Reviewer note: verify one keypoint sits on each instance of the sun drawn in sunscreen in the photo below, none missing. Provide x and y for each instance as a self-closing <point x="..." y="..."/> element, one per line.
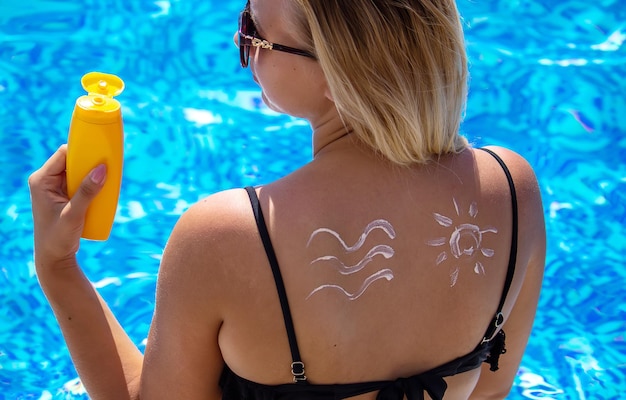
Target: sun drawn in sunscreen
<point x="465" y="241"/>
<point x="381" y="250"/>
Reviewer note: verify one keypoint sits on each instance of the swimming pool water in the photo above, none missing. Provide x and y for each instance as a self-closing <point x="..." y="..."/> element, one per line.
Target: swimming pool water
<point x="547" y="80"/>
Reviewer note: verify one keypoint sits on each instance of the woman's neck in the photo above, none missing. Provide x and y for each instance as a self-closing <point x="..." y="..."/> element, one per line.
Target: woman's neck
<point x="328" y="142"/>
<point x="328" y="134"/>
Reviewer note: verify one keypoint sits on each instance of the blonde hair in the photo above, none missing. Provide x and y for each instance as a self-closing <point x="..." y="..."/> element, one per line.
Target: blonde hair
<point x="397" y="71"/>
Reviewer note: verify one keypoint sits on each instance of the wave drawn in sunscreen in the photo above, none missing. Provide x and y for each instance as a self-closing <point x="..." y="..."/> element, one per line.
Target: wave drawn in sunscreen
<point x="377" y="224"/>
<point x="382" y="274"/>
<point x="383" y="250"/>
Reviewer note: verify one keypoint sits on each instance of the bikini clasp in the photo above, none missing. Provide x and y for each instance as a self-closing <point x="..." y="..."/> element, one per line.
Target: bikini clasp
<point x="498" y="320"/>
<point x="297" y="370"/>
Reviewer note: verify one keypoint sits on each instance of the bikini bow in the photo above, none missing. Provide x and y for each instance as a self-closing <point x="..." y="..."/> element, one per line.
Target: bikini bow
<point x="414" y="387"/>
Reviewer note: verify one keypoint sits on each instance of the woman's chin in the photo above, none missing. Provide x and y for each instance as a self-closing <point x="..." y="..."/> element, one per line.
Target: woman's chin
<point x="270" y="105"/>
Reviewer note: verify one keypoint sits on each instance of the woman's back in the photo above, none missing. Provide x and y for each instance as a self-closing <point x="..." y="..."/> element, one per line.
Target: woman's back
<point x="389" y="271"/>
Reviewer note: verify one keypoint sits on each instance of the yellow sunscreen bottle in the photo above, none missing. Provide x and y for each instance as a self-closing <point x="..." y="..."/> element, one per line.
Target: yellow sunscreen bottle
<point x="96" y="137"/>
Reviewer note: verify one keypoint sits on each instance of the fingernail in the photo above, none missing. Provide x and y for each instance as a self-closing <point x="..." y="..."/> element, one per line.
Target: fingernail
<point x="97" y="174"/>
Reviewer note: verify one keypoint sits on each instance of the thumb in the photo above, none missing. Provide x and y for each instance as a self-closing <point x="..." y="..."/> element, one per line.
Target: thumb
<point x="88" y="189"/>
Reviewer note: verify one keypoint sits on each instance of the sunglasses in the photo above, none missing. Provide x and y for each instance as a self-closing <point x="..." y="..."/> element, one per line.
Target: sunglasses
<point x="248" y="38"/>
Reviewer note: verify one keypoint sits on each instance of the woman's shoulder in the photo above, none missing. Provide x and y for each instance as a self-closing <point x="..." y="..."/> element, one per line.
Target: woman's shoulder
<point x="220" y="213"/>
<point x="211" y="232"/>
<point x="521" y="171"/>
<point x="524" y="180"/>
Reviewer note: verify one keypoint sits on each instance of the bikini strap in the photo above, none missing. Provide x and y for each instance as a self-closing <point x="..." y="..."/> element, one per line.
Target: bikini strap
<point x="498" y="319"/>
<point x="297" y="366"/>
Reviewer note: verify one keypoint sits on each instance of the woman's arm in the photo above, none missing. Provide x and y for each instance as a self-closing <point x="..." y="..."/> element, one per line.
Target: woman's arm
<point x="527" y="285"/>
<point x="107" y="361"/>
<point x="183" y="359"/>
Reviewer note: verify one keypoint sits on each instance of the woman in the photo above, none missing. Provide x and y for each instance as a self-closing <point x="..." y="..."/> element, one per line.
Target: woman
<point x="388" y="267"/>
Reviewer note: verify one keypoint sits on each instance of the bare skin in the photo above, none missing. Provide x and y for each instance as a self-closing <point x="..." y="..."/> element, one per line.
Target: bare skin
<point x="216" y="298"/>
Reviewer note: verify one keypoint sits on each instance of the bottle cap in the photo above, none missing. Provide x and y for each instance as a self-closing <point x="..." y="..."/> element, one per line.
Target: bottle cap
<point x="98" y="106"/>
<point x="103" y="84"/>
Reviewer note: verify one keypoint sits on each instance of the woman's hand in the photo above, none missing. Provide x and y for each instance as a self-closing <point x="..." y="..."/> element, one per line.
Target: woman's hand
<point x="59" y="220"/>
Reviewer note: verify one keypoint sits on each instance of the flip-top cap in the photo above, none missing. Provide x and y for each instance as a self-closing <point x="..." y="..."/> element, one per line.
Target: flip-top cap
<point x="103" y="84"/>
<point x="99" y="106"/>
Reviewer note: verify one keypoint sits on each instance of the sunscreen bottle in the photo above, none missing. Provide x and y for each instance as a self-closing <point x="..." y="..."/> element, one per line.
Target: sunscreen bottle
<point x="96" y="137"/>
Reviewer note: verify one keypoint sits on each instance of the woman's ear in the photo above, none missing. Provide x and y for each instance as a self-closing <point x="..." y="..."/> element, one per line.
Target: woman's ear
<point x="328" y="93"/>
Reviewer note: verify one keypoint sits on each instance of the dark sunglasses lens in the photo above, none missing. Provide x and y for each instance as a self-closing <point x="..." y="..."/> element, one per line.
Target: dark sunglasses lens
<point x="244" y="47"/>
<point x="246" y="23"/>
<point x="244" y="52"/>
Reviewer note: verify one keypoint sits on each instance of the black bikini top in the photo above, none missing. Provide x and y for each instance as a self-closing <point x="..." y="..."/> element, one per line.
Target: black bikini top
<point x="488" y="350"/>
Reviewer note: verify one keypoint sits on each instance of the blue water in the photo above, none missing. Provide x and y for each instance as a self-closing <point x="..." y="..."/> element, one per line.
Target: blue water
<point x="547" y="81"/>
